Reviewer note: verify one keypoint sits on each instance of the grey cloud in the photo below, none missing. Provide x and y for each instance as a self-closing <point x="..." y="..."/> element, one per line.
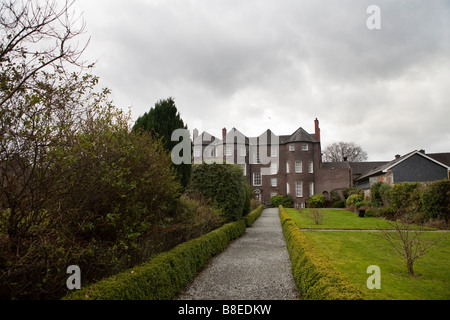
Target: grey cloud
<point x="256" y="65"/>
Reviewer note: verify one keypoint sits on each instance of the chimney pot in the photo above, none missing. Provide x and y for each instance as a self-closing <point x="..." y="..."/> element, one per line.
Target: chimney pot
<point x="422" y="151"/>
<point x="397" y="156"/>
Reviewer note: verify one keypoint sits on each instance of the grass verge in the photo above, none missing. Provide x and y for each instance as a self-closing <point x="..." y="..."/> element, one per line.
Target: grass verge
<point x="352" y="252"/>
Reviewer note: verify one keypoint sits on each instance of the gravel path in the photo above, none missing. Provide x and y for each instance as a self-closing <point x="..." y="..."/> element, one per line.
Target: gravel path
<point x="254" y="267"/>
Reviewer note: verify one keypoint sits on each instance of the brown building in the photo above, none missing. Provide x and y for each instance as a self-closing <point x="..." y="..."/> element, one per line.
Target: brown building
<point x="292" y="164"/>
<point x="274" y="165"/>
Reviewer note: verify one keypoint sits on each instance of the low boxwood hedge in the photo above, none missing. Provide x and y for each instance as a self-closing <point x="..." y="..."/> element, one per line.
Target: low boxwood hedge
<point x="252" y="216"/>
<point x="315" y="277"/>
<point x="166" y="274"/>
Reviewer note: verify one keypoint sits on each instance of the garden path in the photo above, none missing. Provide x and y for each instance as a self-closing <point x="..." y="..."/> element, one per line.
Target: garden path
<point x="254" y="267"/>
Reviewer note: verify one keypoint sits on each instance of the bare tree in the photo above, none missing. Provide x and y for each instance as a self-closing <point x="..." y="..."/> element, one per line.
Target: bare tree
<point x="344" y="151"/>
<point x="41" y="98"/>
<point x="408" y="242"/>
<point x="36" y="36"/>
<point x="316" y="215"/>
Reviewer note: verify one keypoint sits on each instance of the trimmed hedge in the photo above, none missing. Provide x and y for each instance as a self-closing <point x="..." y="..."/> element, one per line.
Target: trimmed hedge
<point x="166" y="274"/>
<point x="315" y="277"/>
<point x="252" y="216"/>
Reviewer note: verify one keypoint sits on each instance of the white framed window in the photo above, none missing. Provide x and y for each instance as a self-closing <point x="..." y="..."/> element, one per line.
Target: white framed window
<point x="299" y="189"/>
<point x="274" y="151"/>
<point x="257" y="179"/>
<point x="242" y="151"/>
<point x="256" y="159"/>
<point x="244" y="168"/>
<point x="288" y="189"/>
<point x="311" y="189"/>
<point x="273" y="181"/>
<point x="287" y="167"/>
<point x="310" y="167"/>
<point x="274" y="168"/>
<point x="304" y="147"/>
<point x="291" y="147"/>
<point x="298" y="166"/>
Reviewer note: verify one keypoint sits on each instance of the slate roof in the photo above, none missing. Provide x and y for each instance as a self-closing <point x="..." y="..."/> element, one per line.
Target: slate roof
<point x="336" y="165"/>
<point x="393" y="163"/>
<point x="359" y="168"/>
<point x="441" y="157"/>
<point x="300" y="135"/>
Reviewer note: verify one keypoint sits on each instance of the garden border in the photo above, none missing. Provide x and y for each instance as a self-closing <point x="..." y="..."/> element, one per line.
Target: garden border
<point x="316" y="278"/>
<point x="166" y="274"/>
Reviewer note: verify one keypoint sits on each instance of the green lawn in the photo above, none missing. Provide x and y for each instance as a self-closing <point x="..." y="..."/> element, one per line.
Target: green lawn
<point x="338" y="219"/>
<point x="352" y="252"/>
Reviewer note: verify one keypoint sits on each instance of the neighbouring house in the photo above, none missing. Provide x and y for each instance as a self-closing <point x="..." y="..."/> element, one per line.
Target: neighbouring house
<point x="415" y="166"/>
<point x="292" y="164"/>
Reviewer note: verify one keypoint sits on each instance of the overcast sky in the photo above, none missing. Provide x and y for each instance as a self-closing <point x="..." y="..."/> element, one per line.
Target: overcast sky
<point x="279" y="64"/>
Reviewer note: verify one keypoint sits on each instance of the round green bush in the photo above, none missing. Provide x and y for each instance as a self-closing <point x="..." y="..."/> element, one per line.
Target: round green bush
<point x="353" y="199"/>
<point x="317" y="201"/>
<point x="224" y="186"/>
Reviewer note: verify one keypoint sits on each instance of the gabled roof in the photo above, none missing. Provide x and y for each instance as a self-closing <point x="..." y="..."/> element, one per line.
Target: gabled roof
<point x="300" y="135"/>
<point x="359" y="168"/>
<point x="384" y="168"/>
<point x="441" y="157"/>
<point x="336" y="165"/>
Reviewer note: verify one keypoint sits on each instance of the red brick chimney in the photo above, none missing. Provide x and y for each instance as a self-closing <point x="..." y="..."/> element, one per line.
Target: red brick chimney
<point x="316" y="129"/>
<point x="224" y="134"/>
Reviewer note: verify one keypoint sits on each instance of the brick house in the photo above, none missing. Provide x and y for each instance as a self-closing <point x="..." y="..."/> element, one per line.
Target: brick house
<point x="292" y="164"/>
<point x="273" y="165"/>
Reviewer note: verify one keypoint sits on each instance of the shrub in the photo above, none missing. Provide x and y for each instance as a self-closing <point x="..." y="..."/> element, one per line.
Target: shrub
<point x="436" y="200"/>
<point x="224" y="186"/>
<point x="166" y="274"/>
<point x="252" y="216"/>
<point x="315" y="277"/>
<point x="375" y="194"/>
<point x="401" y="193"/>
<point x="353" y="199"/>
<point x="285" y="201"/>
<point x="347" y="192"/>
<point x="339" y="204"/>
<point x="195" y="217"/>
<point x="101" y="192"/>
<point x="316" y="201"/>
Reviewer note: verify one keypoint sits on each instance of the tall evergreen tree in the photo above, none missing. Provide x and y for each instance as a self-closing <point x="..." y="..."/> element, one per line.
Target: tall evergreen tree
<point x="161" y="121"/>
